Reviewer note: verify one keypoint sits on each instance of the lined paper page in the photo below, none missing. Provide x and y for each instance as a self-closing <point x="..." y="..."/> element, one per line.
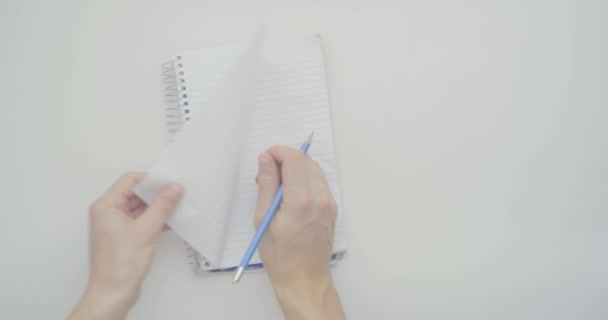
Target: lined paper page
<point x="204" y="157"/>
<point x="289" y="101"/>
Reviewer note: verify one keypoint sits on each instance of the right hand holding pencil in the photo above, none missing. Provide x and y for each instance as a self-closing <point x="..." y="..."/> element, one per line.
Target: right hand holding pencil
<point x="297" y="248"/>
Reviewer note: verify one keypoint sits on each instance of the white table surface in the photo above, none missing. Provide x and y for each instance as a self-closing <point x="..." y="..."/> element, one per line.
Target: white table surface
<point x="472" y="142"/>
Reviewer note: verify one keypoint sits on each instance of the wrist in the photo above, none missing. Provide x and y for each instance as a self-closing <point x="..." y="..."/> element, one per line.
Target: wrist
<point x="309" y="299"/>
<point x="102" y="302"/>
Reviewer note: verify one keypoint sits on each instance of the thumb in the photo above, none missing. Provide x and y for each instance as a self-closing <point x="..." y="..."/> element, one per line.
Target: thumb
<point x="161" y="207"/>
<point x="268" y="179"/>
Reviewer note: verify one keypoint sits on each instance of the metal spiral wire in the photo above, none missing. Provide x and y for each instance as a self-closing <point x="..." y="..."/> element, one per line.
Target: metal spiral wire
<point x="174" y="112"/>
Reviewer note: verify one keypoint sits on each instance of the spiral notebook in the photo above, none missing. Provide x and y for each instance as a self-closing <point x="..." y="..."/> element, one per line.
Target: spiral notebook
<point x="224" y="107"/>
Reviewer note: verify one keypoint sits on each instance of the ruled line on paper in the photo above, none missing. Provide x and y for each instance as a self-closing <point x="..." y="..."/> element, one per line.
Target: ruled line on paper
<point x="286" y="83"/>
<point x="292" y="90"/>
<point x="280" y="65"/>
<point x="292" y="77"/>
<point x="282" y="72"/>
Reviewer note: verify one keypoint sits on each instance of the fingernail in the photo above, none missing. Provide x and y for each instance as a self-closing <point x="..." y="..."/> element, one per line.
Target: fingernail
<point x="174" y="191"/>
<point x="265" y="162"/>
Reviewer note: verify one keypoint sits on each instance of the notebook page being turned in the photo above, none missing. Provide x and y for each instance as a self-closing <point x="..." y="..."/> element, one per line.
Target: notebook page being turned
<point x="204" y="157"/>
<point x="290" y="101"/>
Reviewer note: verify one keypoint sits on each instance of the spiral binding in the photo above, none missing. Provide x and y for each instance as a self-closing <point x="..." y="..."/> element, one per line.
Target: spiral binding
<point x="176" y="109"/>
<point x="197" y="261"/>
<point x="176" y="113"/>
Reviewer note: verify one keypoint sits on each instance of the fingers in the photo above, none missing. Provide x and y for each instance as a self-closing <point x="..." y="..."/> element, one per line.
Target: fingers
<point x="320" y="189"/>
<point x="318" y="181"/>
<point x="304" y="182"/>
<point x="124" y="185"/>
<point x="294" y="170"/>
<point x="134" y="203"/>
<point x="268" y="179"/>
<point x="162" y="206"/>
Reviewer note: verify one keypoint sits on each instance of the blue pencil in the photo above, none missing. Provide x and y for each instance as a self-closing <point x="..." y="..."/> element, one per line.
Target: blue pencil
<point x="272" y="211"/>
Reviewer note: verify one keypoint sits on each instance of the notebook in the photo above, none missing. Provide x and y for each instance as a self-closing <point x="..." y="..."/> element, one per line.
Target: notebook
<point x="224" y="107"/>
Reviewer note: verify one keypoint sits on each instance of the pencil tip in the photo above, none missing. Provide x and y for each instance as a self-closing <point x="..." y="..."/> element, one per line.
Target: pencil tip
<point x="309" y="139"/>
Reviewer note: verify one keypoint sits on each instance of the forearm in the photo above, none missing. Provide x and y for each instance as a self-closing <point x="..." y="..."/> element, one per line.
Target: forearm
<point x="99" y="303"/>
<point x="310" y="300"/>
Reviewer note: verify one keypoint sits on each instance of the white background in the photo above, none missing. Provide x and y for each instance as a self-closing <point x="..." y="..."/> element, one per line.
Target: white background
<point x="471" y="137"/>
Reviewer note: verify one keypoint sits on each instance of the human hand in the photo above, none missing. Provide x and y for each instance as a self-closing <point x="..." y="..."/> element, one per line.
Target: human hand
<point x="297" y="247"/>
<point x="123" y="235"/>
